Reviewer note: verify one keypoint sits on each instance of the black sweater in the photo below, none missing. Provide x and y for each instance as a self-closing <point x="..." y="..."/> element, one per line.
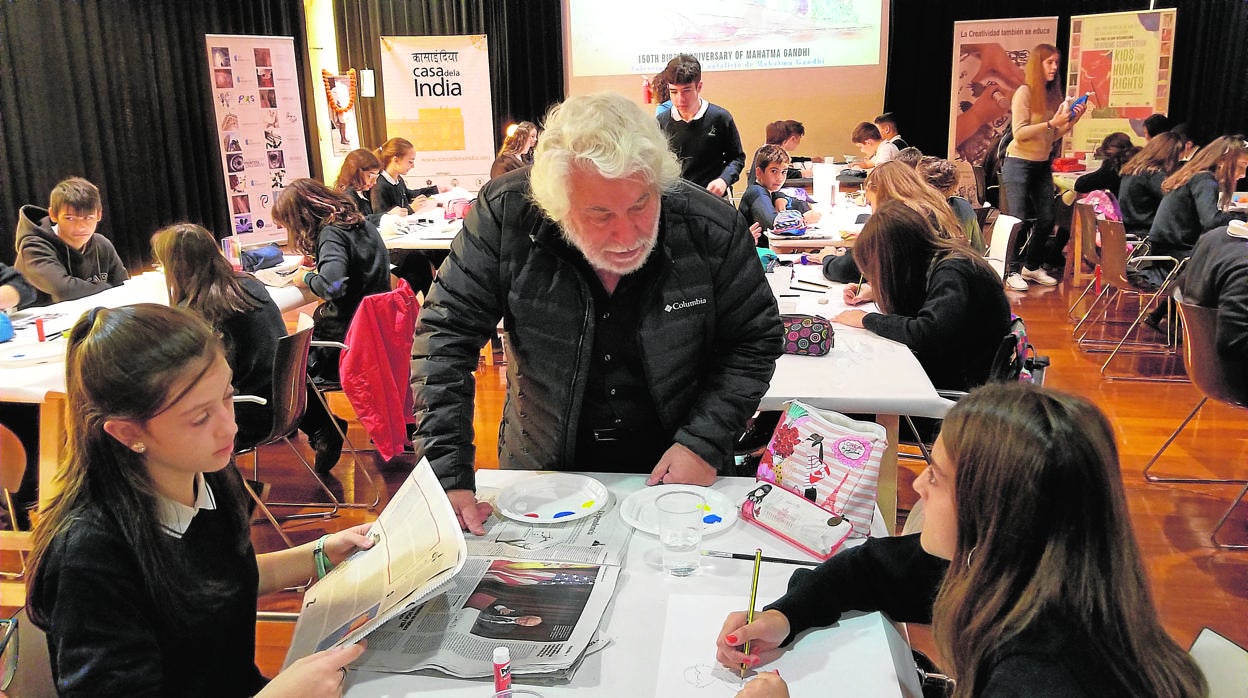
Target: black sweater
<point x="708" y="148"/>
<point x="108" y="637"/>
<point x="1138" y="197"/>
<point x="959" y="327"/>
<point x="1185" y="213"/>
<point x="386" y="196"/>
<point x="1217" y="277"/>
<point x="350" y="263"/>
<point x="26" y="294"/>
<point x="1053" y="659"/>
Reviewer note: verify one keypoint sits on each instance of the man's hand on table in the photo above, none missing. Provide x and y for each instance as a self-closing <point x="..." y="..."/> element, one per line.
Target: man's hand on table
<point x="680" y="466"/>
<point x="471" y="513"/>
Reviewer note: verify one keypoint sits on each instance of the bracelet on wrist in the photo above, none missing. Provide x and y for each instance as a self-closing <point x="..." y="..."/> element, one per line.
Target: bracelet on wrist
<point x="323" y="565"/>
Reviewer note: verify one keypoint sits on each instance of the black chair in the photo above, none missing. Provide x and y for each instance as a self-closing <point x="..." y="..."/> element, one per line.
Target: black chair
<point x="1215" y="377"/>
<point x="290" y="369"/>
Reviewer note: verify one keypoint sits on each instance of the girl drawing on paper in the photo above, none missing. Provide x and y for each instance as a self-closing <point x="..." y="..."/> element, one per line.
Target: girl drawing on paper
<point x="1026" y="566"/>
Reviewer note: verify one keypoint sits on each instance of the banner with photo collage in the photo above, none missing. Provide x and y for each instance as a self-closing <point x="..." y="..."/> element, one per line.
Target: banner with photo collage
<point x="1123" y="59"/>
<point x="988" y="59"/>
<point x="259" y="118"/>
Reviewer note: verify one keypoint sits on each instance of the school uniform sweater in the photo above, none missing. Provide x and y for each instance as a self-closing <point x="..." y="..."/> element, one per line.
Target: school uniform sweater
<point x="26" y="294"/>
<point x="386" y="194"/>
<point x="709" y="147"/>
<point x="1185" y="213"/>
<point x="1138" y="197"/>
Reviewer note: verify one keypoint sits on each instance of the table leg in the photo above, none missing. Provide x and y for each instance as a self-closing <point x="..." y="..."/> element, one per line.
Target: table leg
<point x="886" y="491"/>
<point x="52" y="436"/>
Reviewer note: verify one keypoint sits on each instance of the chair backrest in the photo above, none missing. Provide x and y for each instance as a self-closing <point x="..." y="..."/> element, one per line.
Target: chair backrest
<point x="1114" y="254"/>
<point x="1224" y="664"/>
<point x="1215" y="377"/>
<point x="981" y="215"/>
<point x="1002" y="242"/>
<point x="25" y="669"/>
<point x="12" y="460"/>
<point x="290" y="371"/>
<point x="1084" y="221"/>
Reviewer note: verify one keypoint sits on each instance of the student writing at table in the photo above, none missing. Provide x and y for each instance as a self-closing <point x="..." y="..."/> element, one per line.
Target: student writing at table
<point x="20" y="417"/>
<point x="143" y="575"/>
<point x="58" y="250"/>
<point x="1026" y="566"/>
<point x="641" y="330"/>
<point x="937" y="297"/>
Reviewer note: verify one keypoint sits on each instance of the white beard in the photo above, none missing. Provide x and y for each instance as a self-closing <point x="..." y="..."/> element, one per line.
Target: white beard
<point x="602" y="260"/>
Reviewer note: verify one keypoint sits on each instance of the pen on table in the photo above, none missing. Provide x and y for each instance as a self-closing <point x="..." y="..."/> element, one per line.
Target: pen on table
<point x="742" y="556"/>
<point x="789" y="295"/>
<point x="749" y="616"/>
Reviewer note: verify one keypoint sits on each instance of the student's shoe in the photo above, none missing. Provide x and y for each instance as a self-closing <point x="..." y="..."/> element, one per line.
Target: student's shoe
<point x="328" y="447"/>
<point x="1015" y="282"/>
<point x="1039" y="276"/>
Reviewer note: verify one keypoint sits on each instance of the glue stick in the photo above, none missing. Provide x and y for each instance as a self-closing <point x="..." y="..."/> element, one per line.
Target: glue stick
<point x="502" y="670"/>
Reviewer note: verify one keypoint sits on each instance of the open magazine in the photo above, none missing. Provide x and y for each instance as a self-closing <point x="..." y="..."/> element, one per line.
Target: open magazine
<point x="426" y="599"/>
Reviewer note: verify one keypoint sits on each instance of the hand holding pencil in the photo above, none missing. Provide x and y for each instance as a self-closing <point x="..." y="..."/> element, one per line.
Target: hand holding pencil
<point x="764" y="634"/>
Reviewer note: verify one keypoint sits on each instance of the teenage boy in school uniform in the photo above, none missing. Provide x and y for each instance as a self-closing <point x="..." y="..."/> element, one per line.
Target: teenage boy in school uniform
<point x="703" y="135"/>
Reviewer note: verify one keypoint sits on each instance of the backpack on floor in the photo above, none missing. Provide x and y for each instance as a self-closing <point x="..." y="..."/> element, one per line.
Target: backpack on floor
<point x="1016" y="358"/>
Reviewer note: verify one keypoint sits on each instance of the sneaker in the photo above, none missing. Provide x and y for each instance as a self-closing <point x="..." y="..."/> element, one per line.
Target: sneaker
<point x="1038" y="276"/>
<point x="1015" y="282"/>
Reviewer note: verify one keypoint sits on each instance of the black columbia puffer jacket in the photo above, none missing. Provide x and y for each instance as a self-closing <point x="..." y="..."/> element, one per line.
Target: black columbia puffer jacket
<point x="710" y="332"/>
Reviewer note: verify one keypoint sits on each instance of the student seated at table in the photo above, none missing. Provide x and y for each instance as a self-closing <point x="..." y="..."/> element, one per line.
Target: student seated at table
<point x="1115" y="150"/>
<point x="1217" y="277"/>
<point x="357" y="177"/>
<point x="936" y="296"/>
<point x="143" y="574"/>
<point x="236" y="306"/>
<point x="1197" y="196"/>
<point x="762" y="199"/>
<point x="1139" y="192"/>
<point x="517" y="150"/>
<point x="1026" y="566"/>
<point x="910" y="155"/>
<point x="21" y="418"/>
<point x="894" y="181"/>
<point x="942" y="176"/>
<point x="874" y="148"/>
<point x="58" y="250"/>
<point x="351" y="262"/>
<point x="390" y="193"/>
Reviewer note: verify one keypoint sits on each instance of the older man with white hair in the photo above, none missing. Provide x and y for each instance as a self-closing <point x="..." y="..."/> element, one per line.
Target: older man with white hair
<point x="641" y="332"/>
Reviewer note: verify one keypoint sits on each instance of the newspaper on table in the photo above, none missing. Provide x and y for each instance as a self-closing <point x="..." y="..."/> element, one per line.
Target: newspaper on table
<point x="540" y="590"/>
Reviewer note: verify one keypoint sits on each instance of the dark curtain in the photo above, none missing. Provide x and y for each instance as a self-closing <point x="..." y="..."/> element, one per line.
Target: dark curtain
<point x="1207" y="79"/>
<point x="525" y="38"/>
<point x="118" y="91"/>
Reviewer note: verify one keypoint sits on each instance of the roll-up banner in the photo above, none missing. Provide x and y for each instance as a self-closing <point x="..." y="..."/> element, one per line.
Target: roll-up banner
<point x="988" y="59"/>
<point x="259" y="120"/>
<point x="1122" y="61"/>
<point x="437" y="95"/>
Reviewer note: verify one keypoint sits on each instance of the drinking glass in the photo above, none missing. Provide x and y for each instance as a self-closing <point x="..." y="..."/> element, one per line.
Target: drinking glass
<point x="680" y="531"/>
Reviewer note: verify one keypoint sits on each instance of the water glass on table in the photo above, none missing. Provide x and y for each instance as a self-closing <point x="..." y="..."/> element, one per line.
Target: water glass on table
<point x="680" y="531"/>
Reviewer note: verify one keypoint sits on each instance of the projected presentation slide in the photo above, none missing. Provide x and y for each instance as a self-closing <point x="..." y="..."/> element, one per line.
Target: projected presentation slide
<point x="640" y="36"/>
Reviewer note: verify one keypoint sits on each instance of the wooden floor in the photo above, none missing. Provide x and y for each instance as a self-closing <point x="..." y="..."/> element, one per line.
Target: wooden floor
<point x="1194" y="585"/>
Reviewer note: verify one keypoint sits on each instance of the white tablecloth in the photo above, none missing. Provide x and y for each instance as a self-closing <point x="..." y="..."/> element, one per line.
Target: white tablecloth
<point x="863" y="652"/>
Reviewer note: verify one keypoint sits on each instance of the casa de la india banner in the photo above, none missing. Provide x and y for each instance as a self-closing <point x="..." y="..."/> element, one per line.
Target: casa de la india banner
<point x="259" y="120"/>
<point x="437" y="95"/>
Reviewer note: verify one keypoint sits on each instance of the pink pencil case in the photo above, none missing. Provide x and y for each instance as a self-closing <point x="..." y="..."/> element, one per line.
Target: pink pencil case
<point x="795" y="519"/>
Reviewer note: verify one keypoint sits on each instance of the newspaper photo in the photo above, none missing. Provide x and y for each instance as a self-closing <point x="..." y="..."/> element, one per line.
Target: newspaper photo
<point x="419" y="547"/>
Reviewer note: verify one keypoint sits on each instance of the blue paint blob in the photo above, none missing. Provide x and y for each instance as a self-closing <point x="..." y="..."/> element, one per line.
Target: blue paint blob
<point x="711" y="519"/>
<point x="562" y="514"/>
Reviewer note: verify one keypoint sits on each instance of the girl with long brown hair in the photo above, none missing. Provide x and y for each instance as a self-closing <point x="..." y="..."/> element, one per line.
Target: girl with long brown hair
<point x="143" y="574"/>
<point x="1140" y="193"/>
<point x="517" y="150"/>
<point x="897" y="181"/>
<point x="350" y="262"/>
<point x="1028" y="552"/>
<point x="936" y="296"/>
<point x="357" y="177"/>
<point x="1198" y="195"/>
<point x="235" y="305"/>
<point x="1040" y="118"/>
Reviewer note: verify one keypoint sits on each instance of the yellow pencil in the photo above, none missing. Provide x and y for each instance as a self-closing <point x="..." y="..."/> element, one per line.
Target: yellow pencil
<point x="749" y="615"/>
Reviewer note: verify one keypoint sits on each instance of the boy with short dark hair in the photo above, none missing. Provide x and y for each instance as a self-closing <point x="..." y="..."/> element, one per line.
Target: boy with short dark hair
<point x="873" y="146"/>
<point x="58" y="250"/>
<point x="887" y="124"/>
<point x="762" y="199"/>
<point x="703" y="135"/>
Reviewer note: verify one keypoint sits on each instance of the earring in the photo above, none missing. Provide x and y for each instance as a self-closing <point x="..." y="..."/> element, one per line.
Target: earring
<point x="138" y="447"/>
<point x="969" y="553"/>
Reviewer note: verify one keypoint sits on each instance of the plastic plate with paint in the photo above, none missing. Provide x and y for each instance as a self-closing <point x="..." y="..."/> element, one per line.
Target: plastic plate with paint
<point x="640" y="512"/>
<point x="32" y="354"/>
<point x="552" y="498"/>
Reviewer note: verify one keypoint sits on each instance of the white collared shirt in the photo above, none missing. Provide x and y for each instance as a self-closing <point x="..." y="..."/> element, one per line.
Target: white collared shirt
<point x="388" y="177"/>
<point x="703" y="104"/>
<point x="176" y="517"/>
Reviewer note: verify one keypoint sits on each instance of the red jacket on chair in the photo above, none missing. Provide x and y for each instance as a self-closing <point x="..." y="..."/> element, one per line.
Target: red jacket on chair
<point x="376" y="366"/>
